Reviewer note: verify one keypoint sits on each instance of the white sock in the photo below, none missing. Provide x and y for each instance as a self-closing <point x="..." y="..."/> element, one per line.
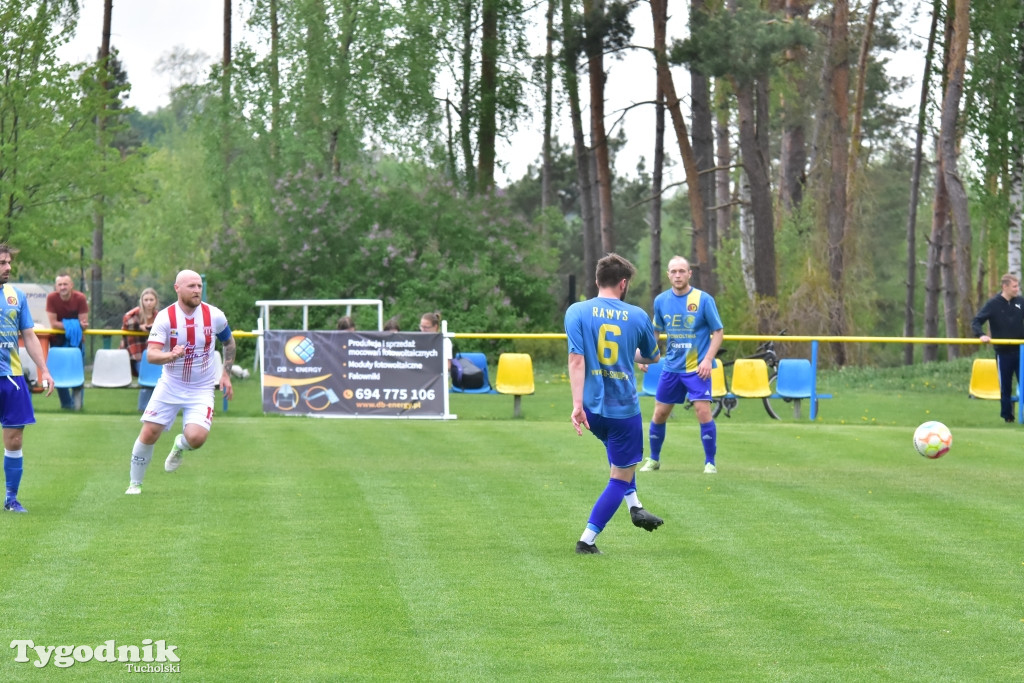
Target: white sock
<point x="589" y="536"/>
<point x="181" y="442"/>
<point x="632" y="501"/>
<point x="141" y="455"/>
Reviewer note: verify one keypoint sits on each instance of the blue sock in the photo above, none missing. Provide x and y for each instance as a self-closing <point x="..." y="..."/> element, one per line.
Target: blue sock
<point x="12" y="472"/>
<point x="656" y="434"/>
<point x="709" y="439"/>
<point x="607" y="504"/>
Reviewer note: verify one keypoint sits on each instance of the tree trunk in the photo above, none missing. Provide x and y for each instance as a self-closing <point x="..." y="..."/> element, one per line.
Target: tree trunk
<point x="1013" y="239"/>
<point x="723" y="146"/>
<point x="858" y="106"/>
<point x="593" y="13"/>
<point x="465" y="97"/>
<point x="932" y="283"/>
<point x="751" y="100"/>
<point x="948" y="270"/>
<point x="225" y="100"/>
<point x="656" y="188"/>
<point x="747" y="246"/>
<point x="488" y="96"/>
<point x="703" y="261"/>
<point x="96" y="303"/>
<point x="793" y="147"/>
<point x="275" y="85"/>
<point x="659" y="15"/>
<point x="1016" y="182"/>
<point x="546" y="193"/>
<point x="915" y="192"/>
<point x="949" y="139"/>
<point x="836" y="218"/>
<point x="590" y="235"/>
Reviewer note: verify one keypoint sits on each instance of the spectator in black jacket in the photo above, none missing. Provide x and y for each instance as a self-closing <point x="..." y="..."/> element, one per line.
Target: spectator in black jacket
<point x="1005" y="316"/>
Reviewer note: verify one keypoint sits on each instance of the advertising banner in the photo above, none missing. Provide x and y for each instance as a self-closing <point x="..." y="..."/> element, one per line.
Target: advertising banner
<point x="353" y="374"/>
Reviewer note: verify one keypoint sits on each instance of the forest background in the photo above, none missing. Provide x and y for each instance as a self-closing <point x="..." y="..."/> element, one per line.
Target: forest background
<point x="340" y="149"/>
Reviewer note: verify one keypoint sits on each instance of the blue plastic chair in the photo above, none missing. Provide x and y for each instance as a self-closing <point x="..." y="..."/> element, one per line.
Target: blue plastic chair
<point x="794" y="379"/>
<point x="651" y="377"/>
<point x="148" y="373"/>
<point x="66" y="367"/>
<point x="480" y="360"/>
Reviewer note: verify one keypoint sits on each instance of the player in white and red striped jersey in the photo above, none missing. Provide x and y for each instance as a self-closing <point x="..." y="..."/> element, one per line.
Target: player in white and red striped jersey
<point x="182" y="340"/>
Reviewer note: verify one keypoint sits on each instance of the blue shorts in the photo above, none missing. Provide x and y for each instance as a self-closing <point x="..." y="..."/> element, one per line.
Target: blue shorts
<point x="623" y="438"/>
<point x="678" y="387"/>
<point x="15" y="402"/>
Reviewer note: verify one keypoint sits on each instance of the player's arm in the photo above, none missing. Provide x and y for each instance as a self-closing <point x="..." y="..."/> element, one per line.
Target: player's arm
<point x="228" y="348"/>
<point x="644" y="361"/>
<point x="35" y="352"/>
<point x="577" y="377"/>
<point x="706" y="363"/>
<point x="156" y="355"/>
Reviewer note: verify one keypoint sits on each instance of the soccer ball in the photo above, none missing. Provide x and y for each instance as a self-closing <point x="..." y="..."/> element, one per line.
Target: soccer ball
<point x="933" y="439"/>
<point x="239" y="371"/>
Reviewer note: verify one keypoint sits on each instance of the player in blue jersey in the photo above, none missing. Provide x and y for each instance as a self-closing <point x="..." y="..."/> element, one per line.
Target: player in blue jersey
<point x="689" y="318"/>
<point x="15" y="400"/>
<point x="606" y="336"/>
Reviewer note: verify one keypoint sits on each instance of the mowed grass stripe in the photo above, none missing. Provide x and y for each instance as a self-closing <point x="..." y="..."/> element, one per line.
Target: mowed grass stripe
<point x="307" y="558"/>
<point x="835" y="528"/>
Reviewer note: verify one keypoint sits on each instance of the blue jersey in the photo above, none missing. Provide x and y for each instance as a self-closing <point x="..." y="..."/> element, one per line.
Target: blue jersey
<point x="687" y="322"/>
<point x="607" y="333"/>
<point x="14" y="317"/>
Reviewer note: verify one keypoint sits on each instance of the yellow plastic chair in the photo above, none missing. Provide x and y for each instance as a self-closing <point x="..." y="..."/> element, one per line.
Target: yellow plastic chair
<point x="515" y="376"/>
<point x="750" y="378"/>
<point x="984" y="379"/>
<point x="718" y="389"/>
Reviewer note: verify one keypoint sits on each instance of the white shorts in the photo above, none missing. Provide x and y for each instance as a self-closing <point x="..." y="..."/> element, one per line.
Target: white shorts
<point x="196" y="407"/>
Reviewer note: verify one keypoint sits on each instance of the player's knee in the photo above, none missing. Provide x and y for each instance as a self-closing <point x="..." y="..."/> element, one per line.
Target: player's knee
<point x="196" y="438"/>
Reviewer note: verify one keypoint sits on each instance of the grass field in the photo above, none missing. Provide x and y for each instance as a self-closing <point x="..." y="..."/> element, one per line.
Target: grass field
<point x="295" y="549"/>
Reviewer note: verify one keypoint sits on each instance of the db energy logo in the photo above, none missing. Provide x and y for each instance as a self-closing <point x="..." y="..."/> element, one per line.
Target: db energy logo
<point x="152" y="656"/>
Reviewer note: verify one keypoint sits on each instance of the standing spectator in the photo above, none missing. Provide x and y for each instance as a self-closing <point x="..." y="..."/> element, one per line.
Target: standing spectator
<point x="689" y="318"/>
<point x="68" y="311"/>
<point x="15" y="402"/>
<point x="606" y="336"/>
<point x="140" y="319"/>
<point x="346" y="324"/>
<point x="182" y="340"/>
<point x="391" y="324"/>
<point x="431" y="322"/>
<point x="1004" y="314"/>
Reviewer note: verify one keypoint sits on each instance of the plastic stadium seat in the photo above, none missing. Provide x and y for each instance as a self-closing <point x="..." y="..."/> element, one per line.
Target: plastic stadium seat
<point x="750" y="378"/>
<point x="112" y="368"/>
<point x="984" y="379"/>
<point x="651" y="377"/>
<point x="795" y="378"/>
<point x="515" y="376"/>
<point x="148" y="373"/>
<point x="718" y="389"/>
<point x="794" y="381"/>
<point x="66" y="367"/>
<point x="480" y="360"/>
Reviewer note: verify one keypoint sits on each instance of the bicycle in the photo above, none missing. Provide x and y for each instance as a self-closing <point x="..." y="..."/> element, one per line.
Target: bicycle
<point x="766" y="352"/>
